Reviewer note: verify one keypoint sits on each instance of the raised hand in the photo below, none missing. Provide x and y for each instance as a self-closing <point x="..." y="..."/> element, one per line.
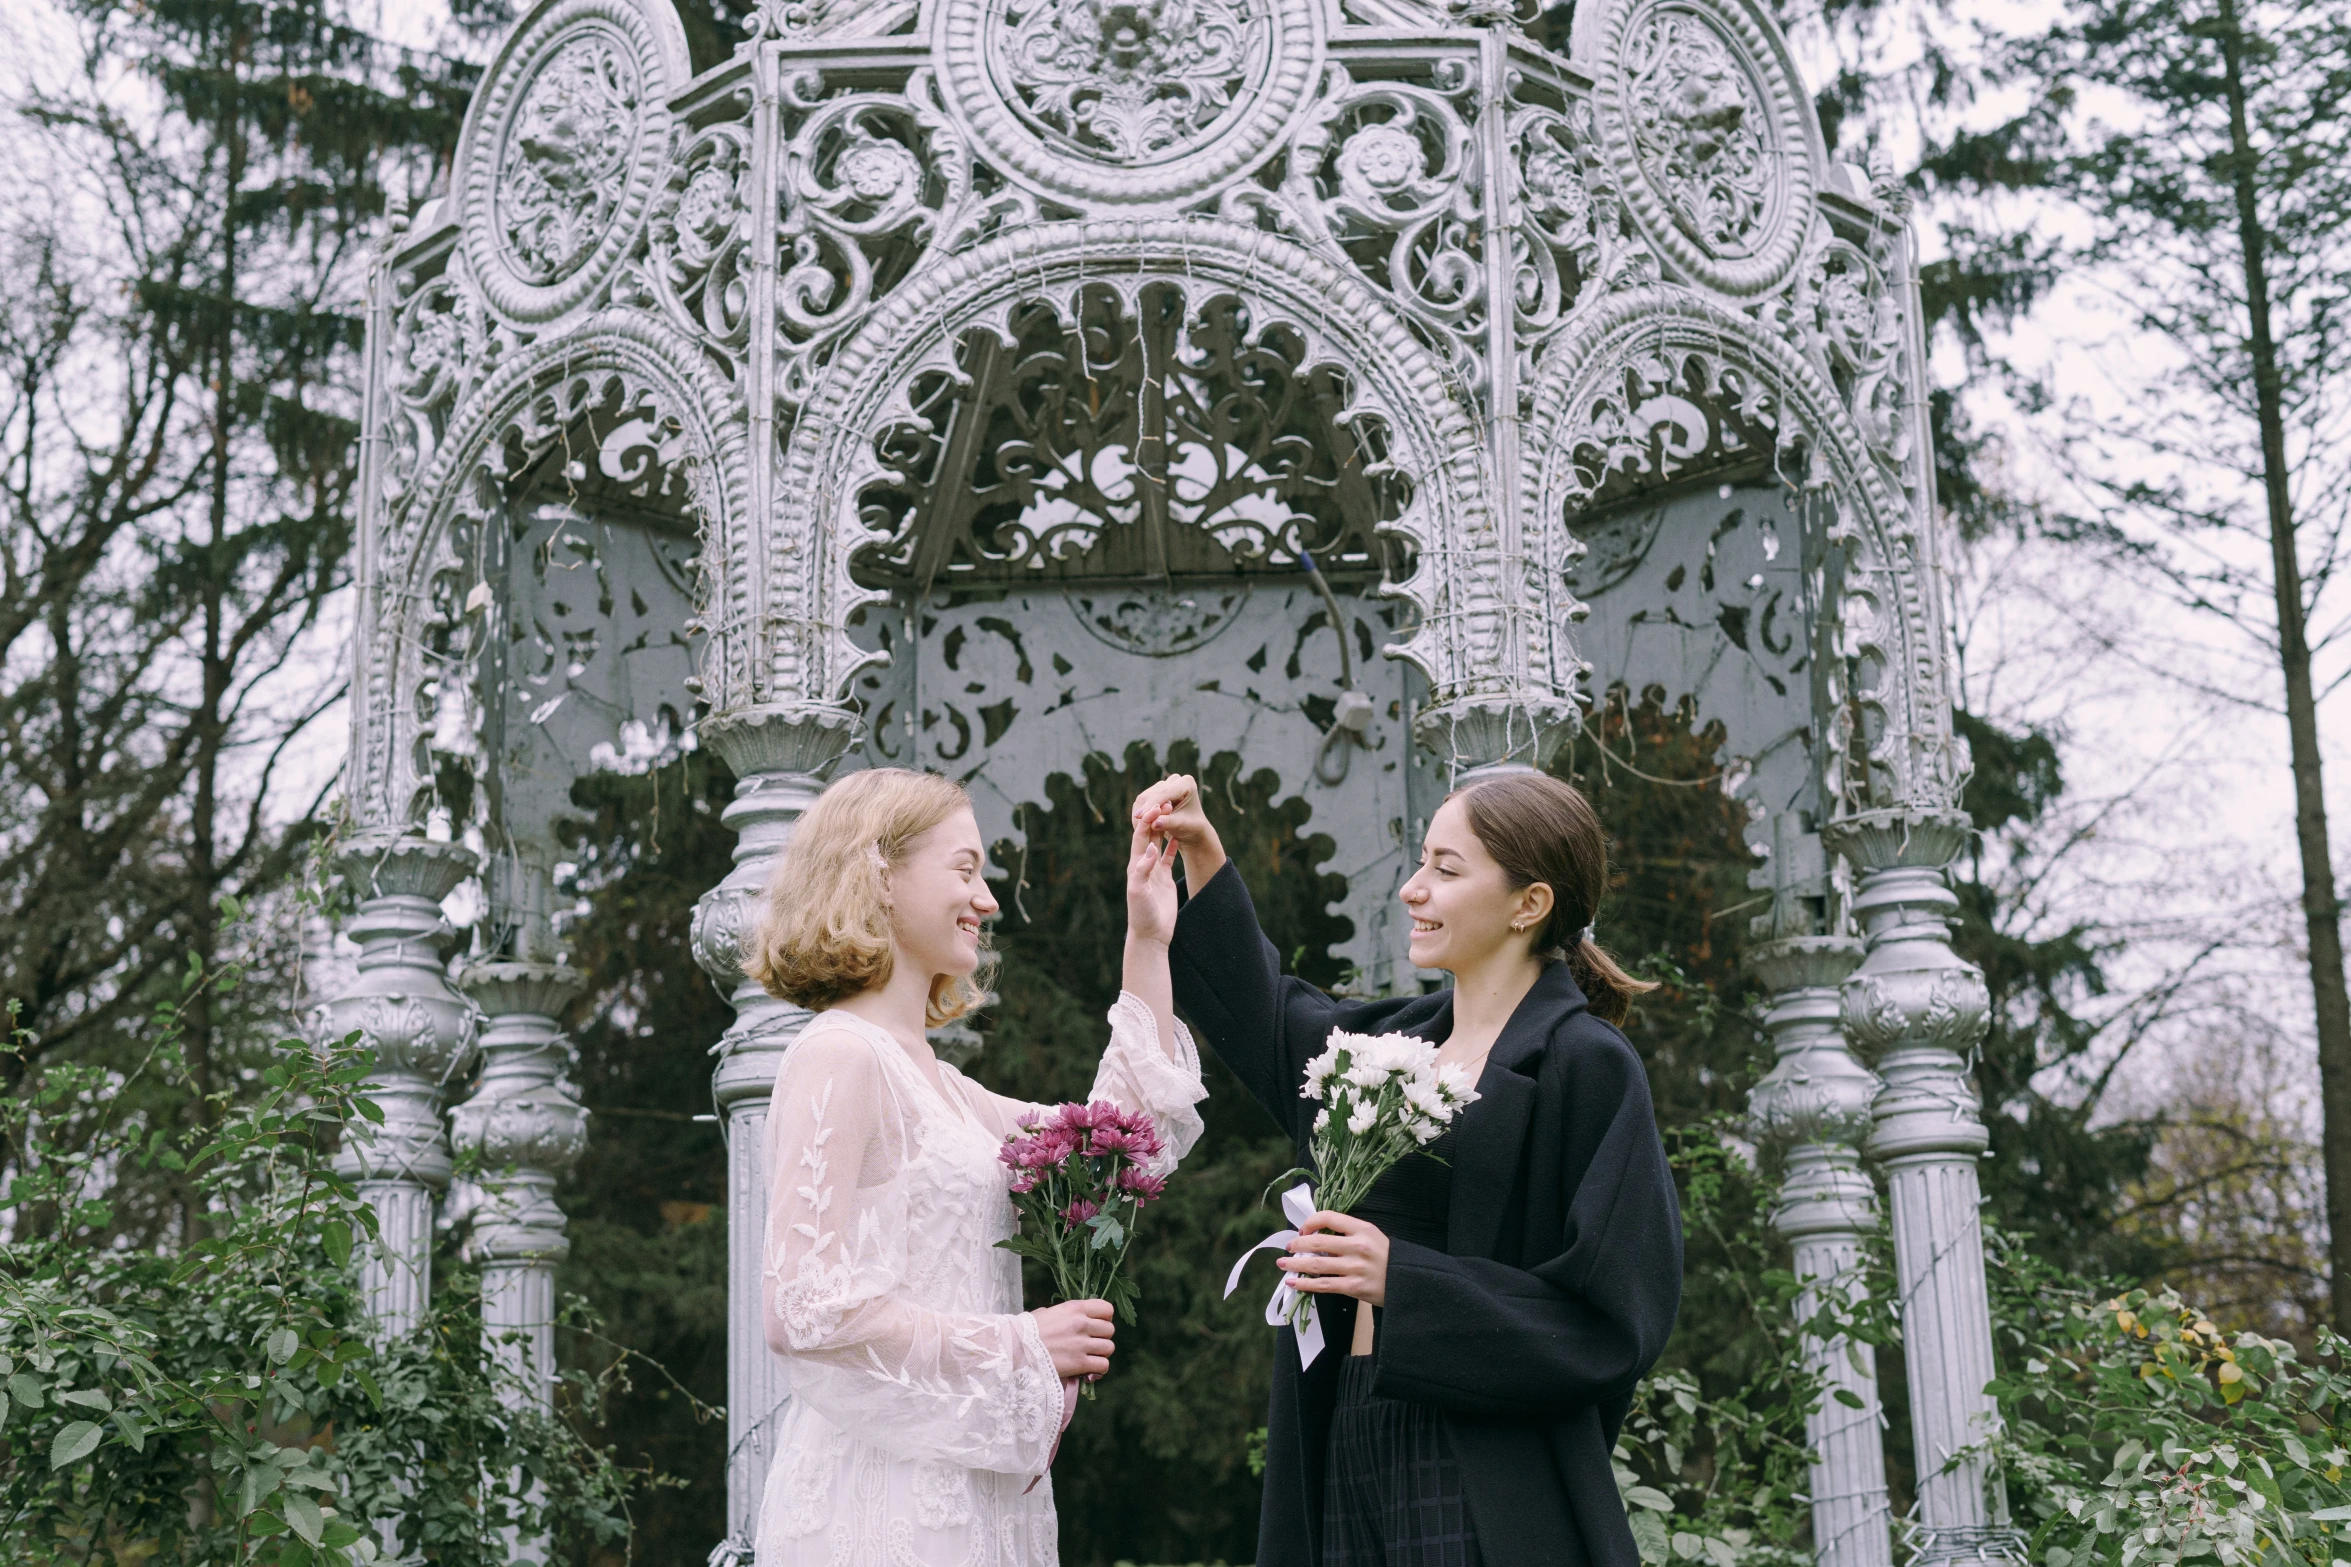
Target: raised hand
<point x="1151" y="891"/>
<point x="1171" y="809"/>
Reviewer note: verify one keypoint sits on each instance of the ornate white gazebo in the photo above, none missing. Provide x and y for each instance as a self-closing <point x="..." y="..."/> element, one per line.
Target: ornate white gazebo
<point x="981" y="384"/>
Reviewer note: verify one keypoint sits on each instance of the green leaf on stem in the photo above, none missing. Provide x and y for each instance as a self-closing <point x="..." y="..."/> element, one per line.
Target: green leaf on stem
<point x="74" y="1443"/>
<point x="302" y="1516"/>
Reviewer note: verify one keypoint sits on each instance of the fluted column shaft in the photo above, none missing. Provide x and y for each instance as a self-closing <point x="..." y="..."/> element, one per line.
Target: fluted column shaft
<point x="777" y="755"/>
<point x="1815" y="1105"/>
<point x="402" y="1008"/>
<point x="1919" y="1007"/>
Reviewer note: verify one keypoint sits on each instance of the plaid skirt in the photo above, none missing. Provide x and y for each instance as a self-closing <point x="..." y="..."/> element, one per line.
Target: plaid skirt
<point x="1392" y="1492"/>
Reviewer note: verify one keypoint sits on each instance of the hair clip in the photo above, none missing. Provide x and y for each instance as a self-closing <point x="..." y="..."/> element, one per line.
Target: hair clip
<point x="1586" y="936"/>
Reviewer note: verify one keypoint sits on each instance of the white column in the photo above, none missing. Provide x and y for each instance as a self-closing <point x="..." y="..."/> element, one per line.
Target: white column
<point x="528" y="1128"/>
<point x="777" y="754"/>
<point x="1919" y="1007"/>
<point x="527" y="1125"/>
<point x="1815" y="1105"/>
<point x="402" y="1007"/>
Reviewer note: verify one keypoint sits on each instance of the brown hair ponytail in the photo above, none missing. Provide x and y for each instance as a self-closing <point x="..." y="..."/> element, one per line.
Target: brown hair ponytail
<point x="1539" y="829"/>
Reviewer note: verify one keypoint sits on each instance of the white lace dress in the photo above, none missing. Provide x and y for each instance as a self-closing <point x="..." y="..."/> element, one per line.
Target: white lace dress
<point x="923" y="1401"/>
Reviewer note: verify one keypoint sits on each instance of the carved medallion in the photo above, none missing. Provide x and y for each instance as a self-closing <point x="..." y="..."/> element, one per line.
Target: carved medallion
<point x="1129" y="81"/>
<point x="1126" y="102"/>
<point x="1699" y="123"/>
<point x="561" y="155"/>
<point x="1709" y="138"/>
<point x="566" y="156"/>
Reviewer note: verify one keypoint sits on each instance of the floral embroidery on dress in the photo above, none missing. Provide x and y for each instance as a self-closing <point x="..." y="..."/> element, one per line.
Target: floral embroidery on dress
<point x="803" y="1489"/>
<point x="812" y="1304"/>
<point x="942" y="1496"/>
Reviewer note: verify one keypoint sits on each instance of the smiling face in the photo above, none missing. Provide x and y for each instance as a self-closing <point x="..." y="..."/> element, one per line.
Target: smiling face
<point x="938" y="897"/>
<point x="1461" y="901"/>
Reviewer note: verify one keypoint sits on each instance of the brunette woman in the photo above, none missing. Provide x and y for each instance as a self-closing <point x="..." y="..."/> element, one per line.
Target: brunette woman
<point x="1489" y="1309"/>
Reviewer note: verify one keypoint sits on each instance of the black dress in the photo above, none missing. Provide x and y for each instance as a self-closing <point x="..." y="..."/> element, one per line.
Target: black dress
<point x="1392" y="1492"/>
<point x="1558" y="1277"/>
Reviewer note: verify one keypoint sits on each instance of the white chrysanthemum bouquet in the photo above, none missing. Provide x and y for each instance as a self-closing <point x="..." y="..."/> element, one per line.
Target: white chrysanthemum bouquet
<point x="1383" y="1096"/>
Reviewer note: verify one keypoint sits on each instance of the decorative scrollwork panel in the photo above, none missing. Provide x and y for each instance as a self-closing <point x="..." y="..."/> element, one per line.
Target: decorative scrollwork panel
<point x="888" y="381"/>
<point x="1388" y="175"/>
<point x="699" y="252"/>
<point x="1656" y="389"/>
<point x="1006" y="690"/>
<point x="1163" y="441"/>
<point x="612" y="422"/>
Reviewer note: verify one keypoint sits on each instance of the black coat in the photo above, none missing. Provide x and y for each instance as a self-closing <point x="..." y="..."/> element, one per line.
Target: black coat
<point x="1563" y="1267"/>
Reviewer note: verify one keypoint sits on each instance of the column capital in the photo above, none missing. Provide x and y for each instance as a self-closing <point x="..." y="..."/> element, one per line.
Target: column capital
<point x="1816" y="1092"/>
<point x="421" y="1032"/>
<point x="524" y="1121"/>
<point x="502" y="987"/>
<point x="1802" y="962"/>
<point x="400" y="1003"/>
<point x="387" y="864"/>
<point x="1496" y="732"/>
<point x="1927" y="837"/>
<point x="777" y="752"/>
<point x="780" y="737"/>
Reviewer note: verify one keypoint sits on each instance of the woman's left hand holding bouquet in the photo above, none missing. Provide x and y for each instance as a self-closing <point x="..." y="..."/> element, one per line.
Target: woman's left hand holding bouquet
<point x="1339" y="1254"/>
<point x="1078" y="1335"/>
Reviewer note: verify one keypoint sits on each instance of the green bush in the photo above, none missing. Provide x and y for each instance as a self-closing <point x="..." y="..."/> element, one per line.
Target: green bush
<point x="224" y="1402"/>
<point x="2140" y="1432"/>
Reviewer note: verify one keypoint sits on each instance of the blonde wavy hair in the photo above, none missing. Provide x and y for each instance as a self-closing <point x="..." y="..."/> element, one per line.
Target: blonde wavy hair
<point x="823" y="933"/>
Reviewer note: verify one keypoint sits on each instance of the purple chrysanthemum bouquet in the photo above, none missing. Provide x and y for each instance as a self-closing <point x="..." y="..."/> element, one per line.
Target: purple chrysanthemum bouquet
<point x="1080" y="1176"/>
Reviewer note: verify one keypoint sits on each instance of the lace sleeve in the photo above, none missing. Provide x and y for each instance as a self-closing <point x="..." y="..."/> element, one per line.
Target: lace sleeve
<point x="976" y="1390"/>
<point x="1136" y="1074"/>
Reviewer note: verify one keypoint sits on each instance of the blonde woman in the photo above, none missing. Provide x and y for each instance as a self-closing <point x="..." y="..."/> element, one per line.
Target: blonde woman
<point x="924" y="1400"/>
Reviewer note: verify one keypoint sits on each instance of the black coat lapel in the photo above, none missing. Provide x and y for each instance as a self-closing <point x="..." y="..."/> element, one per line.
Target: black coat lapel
<point x="1490" y="1137"/>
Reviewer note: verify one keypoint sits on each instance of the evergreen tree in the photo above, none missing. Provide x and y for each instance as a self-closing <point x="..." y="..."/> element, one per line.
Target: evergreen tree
<point x="186" y="227"/>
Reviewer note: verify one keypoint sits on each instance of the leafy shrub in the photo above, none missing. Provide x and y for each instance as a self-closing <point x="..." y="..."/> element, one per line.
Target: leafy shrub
<point x="2140" y="1432"/>
<point x="225" y="1402"/>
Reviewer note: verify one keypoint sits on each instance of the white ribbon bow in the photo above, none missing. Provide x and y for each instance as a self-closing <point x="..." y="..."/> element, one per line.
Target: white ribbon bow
<point x="1288" y="1304"/>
